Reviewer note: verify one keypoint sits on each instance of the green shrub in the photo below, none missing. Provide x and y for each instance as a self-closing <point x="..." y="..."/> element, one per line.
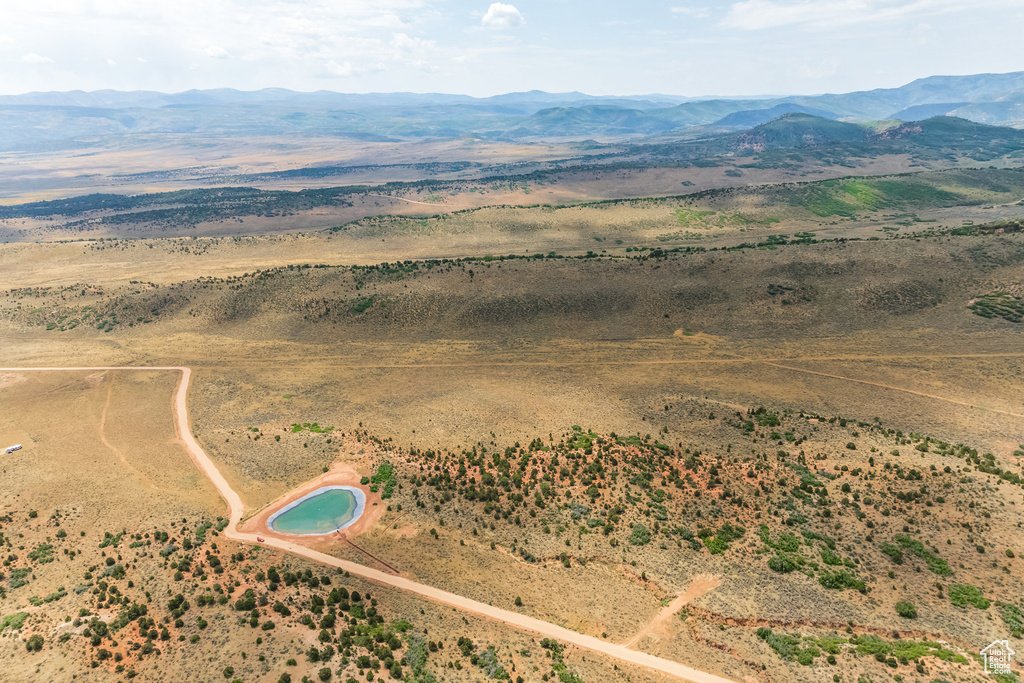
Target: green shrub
<point x="894" y="553"/>
<point x="640" y="536"/>
<point x="385" y="476"/>
<point x="362" y="304"/>
<point x="830" y="558"/>
<point x="963" y="594"/>
<point x="716" y="545"/>
<point x="781" y="564"/>
<point x="19" y="577"/>
<point x="891" y="651"/>
<point x="42" y="553"/>
<point x="906" y="609"/>
<point x="935" y="564"/>
<point x="787" y="542"/>
<point x="14" y="621"/>
<point x="720" y="542"/>
<point x="840" y="580"/>
<point x="788" y="647"/>
<point x="1013" y="617"/>
<point x="1001" y="305"/>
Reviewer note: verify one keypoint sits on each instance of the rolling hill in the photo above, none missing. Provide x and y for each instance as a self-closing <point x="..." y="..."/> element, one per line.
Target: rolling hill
<point x="756" y="117"/>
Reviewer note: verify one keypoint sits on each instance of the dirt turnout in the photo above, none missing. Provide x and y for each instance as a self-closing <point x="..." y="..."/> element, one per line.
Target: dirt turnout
<point x="236" y="507"/>
<point x="698" y="587"/>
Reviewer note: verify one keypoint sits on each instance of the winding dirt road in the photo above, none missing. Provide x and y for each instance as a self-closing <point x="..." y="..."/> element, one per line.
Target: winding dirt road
<point x="234" y="501"/>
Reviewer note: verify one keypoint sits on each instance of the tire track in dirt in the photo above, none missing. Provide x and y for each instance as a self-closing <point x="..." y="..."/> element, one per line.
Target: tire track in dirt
<point x="409" y="201"/>
<point x="116" y="451"/>
<point x="894" y="388"/>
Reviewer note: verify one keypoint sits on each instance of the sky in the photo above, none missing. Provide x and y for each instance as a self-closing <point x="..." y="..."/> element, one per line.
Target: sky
<point x="601" y="47"/>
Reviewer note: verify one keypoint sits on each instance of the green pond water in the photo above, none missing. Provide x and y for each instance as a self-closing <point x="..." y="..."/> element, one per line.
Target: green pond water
<point x="318" y="513"/>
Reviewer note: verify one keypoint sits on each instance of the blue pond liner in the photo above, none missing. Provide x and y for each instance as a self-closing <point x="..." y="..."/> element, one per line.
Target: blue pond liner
<point x="320" y="512"/>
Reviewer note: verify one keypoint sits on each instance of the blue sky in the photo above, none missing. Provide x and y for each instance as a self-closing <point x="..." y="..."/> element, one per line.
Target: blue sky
<point x="693" y="48"/>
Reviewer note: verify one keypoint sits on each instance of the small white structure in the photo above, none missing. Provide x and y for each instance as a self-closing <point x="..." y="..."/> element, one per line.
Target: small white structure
<point x="11" y="449"/>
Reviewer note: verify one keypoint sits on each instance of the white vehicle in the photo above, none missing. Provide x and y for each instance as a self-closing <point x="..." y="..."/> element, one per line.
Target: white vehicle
<point x="11" y="449"/>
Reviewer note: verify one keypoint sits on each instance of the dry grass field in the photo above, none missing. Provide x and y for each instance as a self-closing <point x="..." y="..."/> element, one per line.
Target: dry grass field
<point x="170" y="162"/>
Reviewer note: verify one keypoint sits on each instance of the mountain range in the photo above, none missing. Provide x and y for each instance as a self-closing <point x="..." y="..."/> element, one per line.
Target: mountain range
<point x="58" y="119"/>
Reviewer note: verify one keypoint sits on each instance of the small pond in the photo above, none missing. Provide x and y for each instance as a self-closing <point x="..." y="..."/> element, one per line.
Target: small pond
<point x="323" y="511"/>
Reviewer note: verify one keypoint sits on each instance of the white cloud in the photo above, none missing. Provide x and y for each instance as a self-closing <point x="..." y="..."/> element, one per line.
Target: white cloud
<point x="424" y="66"/>
<point x="695" y="12"/>
<point x="6" y="41"/>
<point x="336" y="70"/>
<point x="260" y="42"/>
<point x="413" y="52"/>
<point x="403" y="43"/>
<point x="502" y="16"/>
<point x="34" y="59"/>
<point x="924" y="33"/>
<point x="754" y="15"/>
<point x="111" y="62"/>
<point x="217" y="52"/>
<point x="819" y="71"/>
